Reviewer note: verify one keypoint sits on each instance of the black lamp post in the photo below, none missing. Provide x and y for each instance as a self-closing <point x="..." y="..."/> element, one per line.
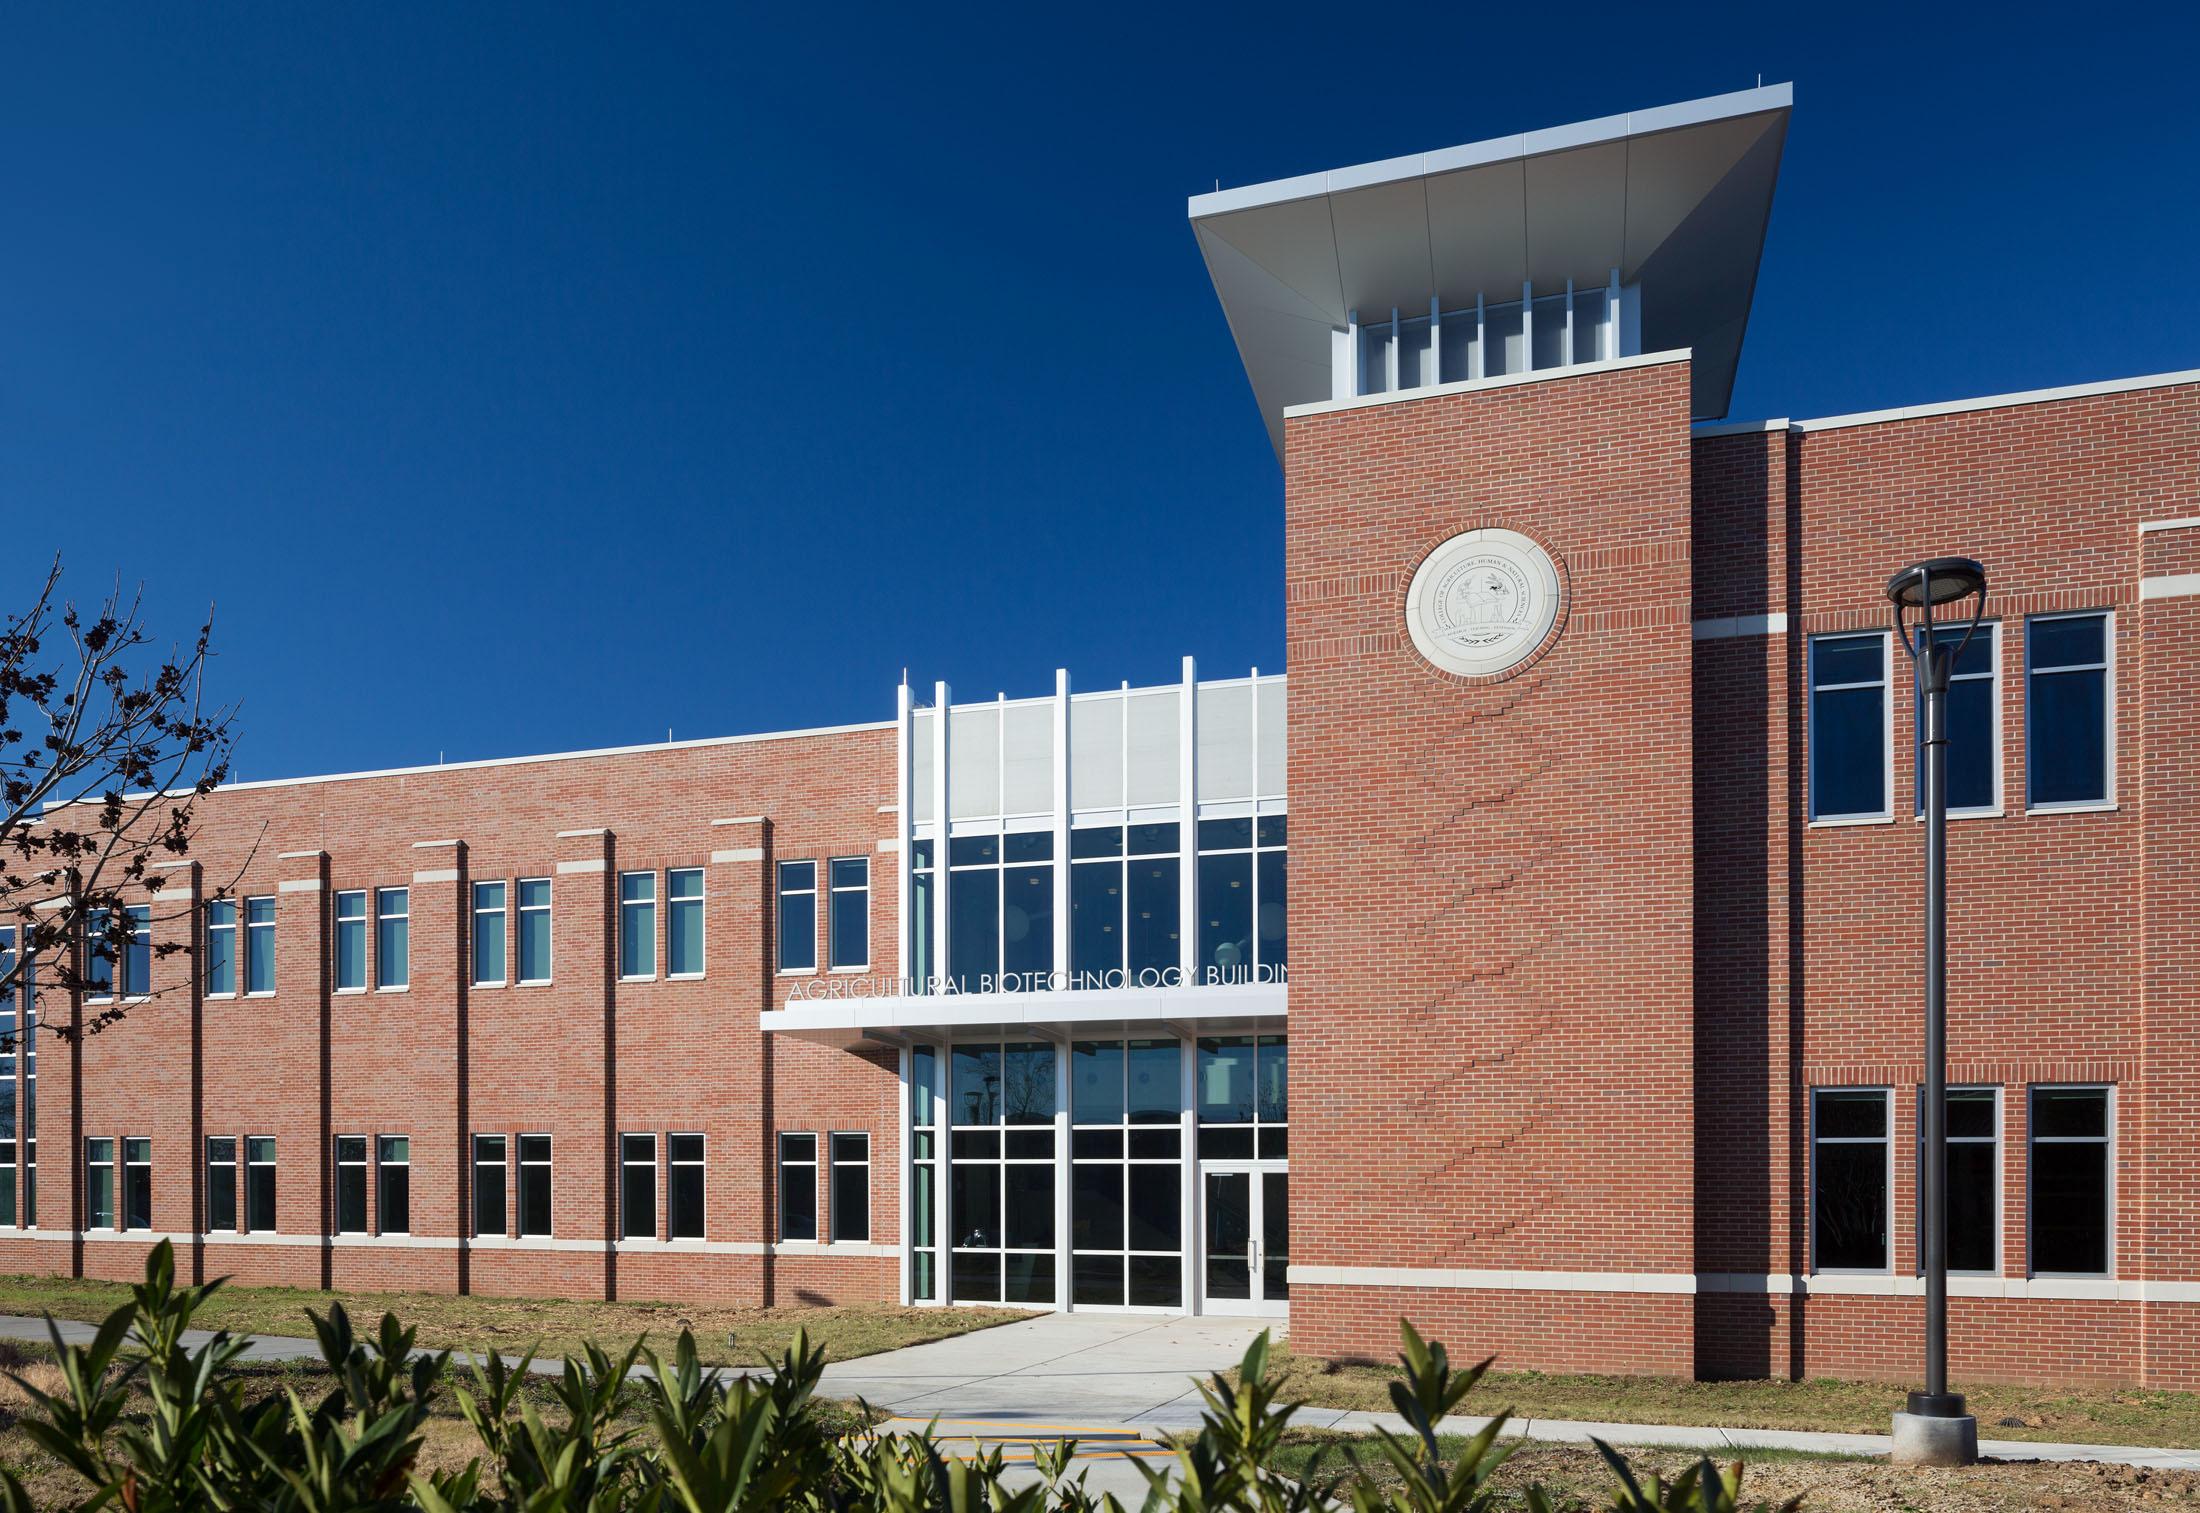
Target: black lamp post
<point x="1937" y="1431"/>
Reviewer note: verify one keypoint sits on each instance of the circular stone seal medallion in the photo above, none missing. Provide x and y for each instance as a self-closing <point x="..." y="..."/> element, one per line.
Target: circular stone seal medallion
<point x="1483" y="602"/>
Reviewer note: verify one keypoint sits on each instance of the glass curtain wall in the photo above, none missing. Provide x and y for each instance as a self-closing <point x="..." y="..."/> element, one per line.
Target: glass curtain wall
<point x="1127" y="1173"/>
<point x="1001" y="1098"/>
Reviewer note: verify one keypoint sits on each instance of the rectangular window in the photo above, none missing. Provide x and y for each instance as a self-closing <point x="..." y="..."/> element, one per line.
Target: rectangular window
<point x="638" y="1187"/>
<point x="849" y="922"/>
<point x="137" y="956"/>
<point x="221" y="1184"/>
<point x="393" y="1185"/>
<point x="534" y="929"/>
<point x="99" y="956"/>
<point x="1849" y="1182"/>
<point x="488" y="935"/>
<point x="392" y="937"/>
<point x="2067" y="712"/>
<point x="2073" y="1181"/>
<point x="684" y="922"/>
<point x="638" y="924"/>
<point x="1974" y="726"/>
<point x="684" y="1187"/>
<point x="1848" y="727"/>
<point x="351" y="941"/>
<point x="259" y="946"/>
<point x="221" y="948"/>
<point x="797" y="1187"/>
<point x="259" y="1183"/>
<point x="134" y="952"/>
<point x="489" y="1179"/>
<point x="1974" y="1179"/>
<point x="137" y="1184"/>
<point x="851" y="1209"/>
<point x="798" y="916"/>
<point x="351" y="1184"/>
<point x="99" y="1183"/>
<point x="534" y="1184"/>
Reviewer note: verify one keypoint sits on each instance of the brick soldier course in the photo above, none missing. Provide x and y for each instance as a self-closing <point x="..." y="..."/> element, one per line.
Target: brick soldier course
<point x="1574" y="956"/>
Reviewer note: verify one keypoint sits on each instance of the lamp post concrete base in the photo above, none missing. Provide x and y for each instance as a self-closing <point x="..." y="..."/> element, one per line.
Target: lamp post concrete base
<point x="1929" y="1440"/>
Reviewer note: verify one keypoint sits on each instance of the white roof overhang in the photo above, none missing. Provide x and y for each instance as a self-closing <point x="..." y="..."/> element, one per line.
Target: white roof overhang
<point x="1676" y="198"/>
<point x="1060" y="1014"/>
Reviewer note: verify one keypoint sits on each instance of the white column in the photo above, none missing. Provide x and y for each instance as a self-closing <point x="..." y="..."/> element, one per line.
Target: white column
<point x="1061" y="1175"/>
<point x="1527" y="326"/>
<point x="1434" y="372"/>
<point x="1479" y="368"/>
<point x="905" y="831"/>
<point x="940" y="756"/>
<point x="1192" y="1196"/>
<point x="1351" y="355"/>
<point x="1566" y="357"/>
<point x="904" y="1147"/>
<point x="1187" y="883"/>
<point x="1390" y="363"/>
<point x="1061" y="823"/>
<point x="1608" y="344"/>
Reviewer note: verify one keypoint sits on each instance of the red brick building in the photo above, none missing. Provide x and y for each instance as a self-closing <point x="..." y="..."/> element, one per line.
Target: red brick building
<point x="1552" y="978"/>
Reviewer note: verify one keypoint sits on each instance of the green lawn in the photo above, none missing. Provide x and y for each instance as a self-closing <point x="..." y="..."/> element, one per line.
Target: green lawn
<point x="2079" y="1415"/>
<point x="552" y="1326"/>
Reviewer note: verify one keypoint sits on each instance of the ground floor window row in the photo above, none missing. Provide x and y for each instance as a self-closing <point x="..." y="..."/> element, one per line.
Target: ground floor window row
<point x="2069" y="1176"/>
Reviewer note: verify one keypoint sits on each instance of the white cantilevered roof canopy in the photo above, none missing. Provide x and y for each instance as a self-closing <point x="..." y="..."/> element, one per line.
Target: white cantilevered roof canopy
<point x="1675" y="198"/>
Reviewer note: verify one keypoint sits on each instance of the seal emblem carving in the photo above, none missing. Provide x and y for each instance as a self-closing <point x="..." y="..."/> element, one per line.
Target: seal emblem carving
<point x="1482" y="602"/>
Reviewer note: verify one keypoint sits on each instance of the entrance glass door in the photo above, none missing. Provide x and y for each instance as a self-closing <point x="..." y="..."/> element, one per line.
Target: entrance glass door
<point x="1245" y="1229"/>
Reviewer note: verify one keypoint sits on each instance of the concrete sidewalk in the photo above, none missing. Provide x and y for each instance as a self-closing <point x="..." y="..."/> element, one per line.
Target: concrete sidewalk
<point x="1118" y="1381"/>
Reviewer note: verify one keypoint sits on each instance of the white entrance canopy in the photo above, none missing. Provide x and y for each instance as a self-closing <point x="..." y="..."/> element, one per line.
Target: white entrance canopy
<point x="1674" y="199"/>
<point x="1062" y="1014"/>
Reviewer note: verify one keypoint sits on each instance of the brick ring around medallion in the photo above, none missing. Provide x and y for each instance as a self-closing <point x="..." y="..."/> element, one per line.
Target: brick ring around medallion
<point x="1482" y="603"/>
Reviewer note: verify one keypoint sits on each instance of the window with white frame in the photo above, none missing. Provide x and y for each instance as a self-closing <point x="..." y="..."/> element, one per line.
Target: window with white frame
<point x="1974" y="1179"/>
<point x="392" y="938"/>
<point x="489" y="1185"/>
<point x="798" y="916"/>
<point x="137" y="1183"/>
<point x="129" y="947"/>
<point x="2072" y="1199"/>
<point x="351" y="941"/>
<point x="259" y="1183"/>
<point x="259" y="946"/>
<point x="534" y="1185"/>
<point x="534" y="930"/>
<point x="489" y="935"/>
<point x="221" y="948"/>
<point x="2068" y="713"/>
<point x="1848" y="727"/>
<point x="393" y="1184"/>
<point x="1124" y="883"/>
<point x="850" y="1152"/>
<point x="1000" y="910"/>
<point x="684" y="1188"/>
<point x="221" y="1184"/>
<point x="351" y="1184"/>
<point x="1974" y="725"/>
<point x="684" y="922"/>
<point x="797" y="1185"/>
<point x="11" y="1038"/>
<point x="1126" y="1176"/>
<point x="1243" y="883"/>
<point x="1850" y="1183"/>
<point x="637" y="925"/>
<point x="638" y="1187"/>
<point x="848" y="923"/>
<point x="99" y="1183"/>
<point x="1002" y="1170"/>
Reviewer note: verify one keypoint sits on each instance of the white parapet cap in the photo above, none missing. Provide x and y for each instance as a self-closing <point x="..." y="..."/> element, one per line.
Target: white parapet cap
<point x="1676" y="198"/>
<point x="2061" y="393"/>
<point x="1083" y="695"/>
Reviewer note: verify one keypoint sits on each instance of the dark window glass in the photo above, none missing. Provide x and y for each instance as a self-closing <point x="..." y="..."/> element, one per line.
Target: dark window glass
<point x="976" y="1097"/>
<point x="137" y="1184"/>
<point x="1272" y="1093"/>
<point x="1029" y="1279"/>
<point x="1226" y="835"/>
<point x="1156" y="1282"/>
<point x="351" y="1184"/>
<point x="797" y="1187"/>
<point x="1149" y="840"/>
<point x="1226" y="1088"/>
<point x="1972" y="730"/>
<point x="259" y="1183"/>
<point x="1973" y="1179"/>
<point x="2070" y="1181"/>
<point x="850" y="921"/>
<point x="1027" y="846"/>
<point x="1027" y="921"/>
<point x="1100" y="840"/>
<point x="1029" y="1088"/>
<point x="1030" y="1144"/>
<point x="99" y="1183"/>
<point x="797" y="916"/>
<point x="1096" y="919"/>
<point x="1154" y="1144"/>
<point x="534" y="1184"/>
<point x="1226" y="917"/>
<point x="977" y="1200"/>
<point x="221" y="1183"/>
<point x="1029" y="1215"/>
<point x="1275" y="914"/>
<point x="1096" y="1279"/>
<point x="2074" y="1112"/>
<point x="977" y="1145"/>
<point x="1225" y="1143"/>
<point x="1096" y="1144"/>
<point x="1096" y="1082"/>
<point x="638" y="1187"/>
<point x="1849" y="1182"/>
<point x="393" y="1185"/>
<point x="975" y="1276"/>
<point x="1155" y="928"/>
<point x="851" y="1187"/>
<point x="489" y="1180"/>
<point x="1096" y="1209"/>
<point x="1274" y="828"/>
<point x="974" y="928"/>
<point x="2066" y="703"/>
<point x="974" y="851"/>
<point x="1155" y="1081"/>
<point x="684" y="1168"/>
<point x="1848" y="726"/>
<point x="921" y="943"/>
<point x="1156" y="1219"/>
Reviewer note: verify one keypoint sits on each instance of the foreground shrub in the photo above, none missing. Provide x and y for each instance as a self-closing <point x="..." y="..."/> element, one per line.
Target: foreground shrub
<point x="163" y="1428"/>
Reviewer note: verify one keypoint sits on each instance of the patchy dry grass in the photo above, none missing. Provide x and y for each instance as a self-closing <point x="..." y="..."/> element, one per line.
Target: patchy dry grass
<point x="2072" y="1415"/>
<point x="1577" y="1479"/>
<point x="724" y="1335"/>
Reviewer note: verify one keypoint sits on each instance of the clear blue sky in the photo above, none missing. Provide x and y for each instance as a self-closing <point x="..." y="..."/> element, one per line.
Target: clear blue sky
<point x="526" y="378"/>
